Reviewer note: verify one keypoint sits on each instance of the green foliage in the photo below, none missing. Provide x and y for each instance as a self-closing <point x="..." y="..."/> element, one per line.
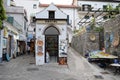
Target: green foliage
<point x="109" y="7"/>
<point x="2" y="13"/>
<point x="76" y="31"/>
<point x="98" y="29"/>
<point x="117" y="9"/>
<point x="94" y="28"/>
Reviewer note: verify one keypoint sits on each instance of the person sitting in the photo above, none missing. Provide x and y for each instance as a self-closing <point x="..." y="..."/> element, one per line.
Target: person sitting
<point x="115" y="61"/>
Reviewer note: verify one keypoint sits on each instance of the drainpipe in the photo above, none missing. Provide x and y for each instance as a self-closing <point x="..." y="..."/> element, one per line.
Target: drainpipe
<point x="1" y="46"/>
<point x="74" y="20"/>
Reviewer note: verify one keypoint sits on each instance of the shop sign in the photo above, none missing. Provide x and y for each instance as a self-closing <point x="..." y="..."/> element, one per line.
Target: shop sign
<point x="50" y="21"/>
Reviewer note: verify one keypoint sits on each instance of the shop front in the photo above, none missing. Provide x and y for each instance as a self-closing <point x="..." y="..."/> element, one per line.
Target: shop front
<point x="51" y="36"/>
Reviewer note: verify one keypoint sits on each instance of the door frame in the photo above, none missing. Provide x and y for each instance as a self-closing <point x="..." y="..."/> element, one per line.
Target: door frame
<point x="57" y="46"/>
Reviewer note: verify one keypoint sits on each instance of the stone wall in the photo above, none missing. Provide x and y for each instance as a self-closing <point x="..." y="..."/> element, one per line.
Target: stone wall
<point x="83" y="44"/>
<point x="112" y="35"/>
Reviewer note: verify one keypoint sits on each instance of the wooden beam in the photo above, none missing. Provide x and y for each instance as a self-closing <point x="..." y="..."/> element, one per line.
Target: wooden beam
<point x="91" y="15"/>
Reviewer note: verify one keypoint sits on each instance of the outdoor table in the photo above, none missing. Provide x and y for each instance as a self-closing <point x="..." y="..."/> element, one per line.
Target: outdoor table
<point x="116" y="66"/>
<point x="100" y="56"/>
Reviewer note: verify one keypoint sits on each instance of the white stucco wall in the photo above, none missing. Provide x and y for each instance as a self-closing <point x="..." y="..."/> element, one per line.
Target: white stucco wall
<point x="40" y="60"/>
<point x="28" y="6"/>
<point x="73" y="15"/>
<point x="58" y="13"/>
<point x="39" y="36"/>
<point x="1" y="45"/>
<point x="19" y="18"/>
<point x="62" y="39"/>
<point x="97" y="4"/>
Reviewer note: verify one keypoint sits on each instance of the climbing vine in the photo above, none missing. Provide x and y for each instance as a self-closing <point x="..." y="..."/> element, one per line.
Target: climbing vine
<point x="2" y="14"/>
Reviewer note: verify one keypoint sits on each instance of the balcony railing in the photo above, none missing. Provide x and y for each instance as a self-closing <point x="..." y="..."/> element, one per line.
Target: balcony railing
<point x="14" y="23"/>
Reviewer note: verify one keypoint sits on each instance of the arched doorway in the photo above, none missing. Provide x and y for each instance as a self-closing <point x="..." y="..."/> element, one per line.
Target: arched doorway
<point x="51" y="44"/>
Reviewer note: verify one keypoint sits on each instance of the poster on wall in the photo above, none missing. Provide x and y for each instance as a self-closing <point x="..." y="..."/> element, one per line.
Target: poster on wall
<point x="62" y="48"/>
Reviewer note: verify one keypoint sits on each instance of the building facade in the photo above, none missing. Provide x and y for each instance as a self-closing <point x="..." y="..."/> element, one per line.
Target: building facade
<point x="13" y="36"/>
<point x="51" y="36"/>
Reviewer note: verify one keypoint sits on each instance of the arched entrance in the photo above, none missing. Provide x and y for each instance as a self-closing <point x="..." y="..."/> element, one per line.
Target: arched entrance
<point x="51" y="44"/>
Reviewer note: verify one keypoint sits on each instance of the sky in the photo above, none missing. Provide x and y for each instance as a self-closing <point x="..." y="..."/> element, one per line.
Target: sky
<point x="56" y="1"/>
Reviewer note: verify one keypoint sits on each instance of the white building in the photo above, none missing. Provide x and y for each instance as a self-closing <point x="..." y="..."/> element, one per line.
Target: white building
<point x="96" y="4"/>
<point x="14" y="33"/>
<point x="60" y="28"/>
<point x="51" y="35"/>
<point x="98" y="8"/>
<point x="76" y="11"/>
<point x="34" y="6"/>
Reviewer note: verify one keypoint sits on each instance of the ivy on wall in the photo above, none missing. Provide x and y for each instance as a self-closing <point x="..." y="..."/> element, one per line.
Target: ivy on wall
<point x="2" y="14"/>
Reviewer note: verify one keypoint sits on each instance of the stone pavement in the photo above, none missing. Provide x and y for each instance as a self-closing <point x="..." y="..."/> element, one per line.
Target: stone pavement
<point x="24" y="68"/>
<point x="82" y="68"/>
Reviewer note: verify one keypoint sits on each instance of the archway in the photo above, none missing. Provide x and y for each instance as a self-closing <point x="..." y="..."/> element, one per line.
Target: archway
<point x="51" y="44"/>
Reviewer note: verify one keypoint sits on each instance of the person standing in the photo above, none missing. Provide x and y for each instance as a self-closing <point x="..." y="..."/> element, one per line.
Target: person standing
<point x="47" y="57"/>
<point x="28" y="49"/>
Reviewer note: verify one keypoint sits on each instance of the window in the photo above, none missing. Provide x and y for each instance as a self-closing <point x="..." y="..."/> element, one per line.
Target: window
<point x="51" y="14"/>
<point x="34" y="6"/>
<point x="86" y="7"/>
<point x="10" y="19"/>
<point x="104" y="7"/>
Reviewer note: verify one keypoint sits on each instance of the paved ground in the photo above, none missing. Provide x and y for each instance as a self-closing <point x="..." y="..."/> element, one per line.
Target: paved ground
<point x="89" y="71"/>
<point x="23" y="68"/>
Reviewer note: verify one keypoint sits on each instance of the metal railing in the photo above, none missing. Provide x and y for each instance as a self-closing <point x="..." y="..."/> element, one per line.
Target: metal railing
<point x="14" y="23"/>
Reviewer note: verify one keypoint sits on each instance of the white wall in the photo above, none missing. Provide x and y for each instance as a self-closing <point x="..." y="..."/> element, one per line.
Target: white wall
<point x="28" y="5"/>
<point x="96" y="5"/>
<point x="40" y="36"/>
<point x="58" y="13"/>
<point x="1" y="44"/>
<point x="73" y="15"/>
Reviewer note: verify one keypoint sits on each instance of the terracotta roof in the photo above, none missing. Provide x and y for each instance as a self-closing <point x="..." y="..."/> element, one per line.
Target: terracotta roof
<point x="60" y="6"/>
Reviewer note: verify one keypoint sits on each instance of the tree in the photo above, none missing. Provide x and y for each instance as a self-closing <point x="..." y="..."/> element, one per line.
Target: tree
<point x="2" y="14"/>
